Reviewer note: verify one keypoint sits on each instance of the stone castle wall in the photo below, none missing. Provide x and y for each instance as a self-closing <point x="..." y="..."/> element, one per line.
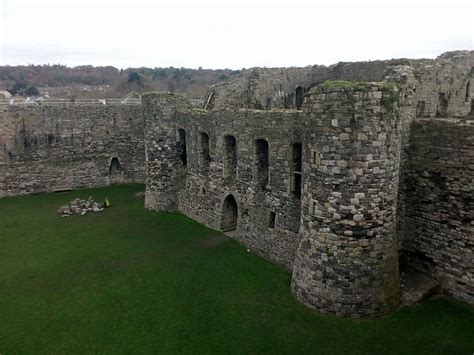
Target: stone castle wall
<point x="200" y="187"/>
<point x="439" y="219"/>
<point x="445" y="86"/>
<point x="274" y="88"/>
<point x="377" y="181"/>
<point x="333" y="183"/>
<point x="164" y="170"/>
<point x="350" y="144"/>
<point x="54" y="146"/>
<point x="206" y="191"/>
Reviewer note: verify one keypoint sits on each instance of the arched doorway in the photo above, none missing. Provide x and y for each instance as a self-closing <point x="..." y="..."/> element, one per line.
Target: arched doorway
<point x="115" y="171"/>
<point x="229" y="214"/>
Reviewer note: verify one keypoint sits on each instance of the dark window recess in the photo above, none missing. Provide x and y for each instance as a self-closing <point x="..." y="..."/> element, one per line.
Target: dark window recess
<point x="261" y="162"/>
<point x="205" y="157"/>
<point x="468" y="91"/>
<point x="314" y="157"/>
<point x="230" y="156"/>
<point x="182" y="151"/>
<point x="271" y="221"/>
<point x="299" y="97"/>
<point x="442" y="105"/>
<point x="296" y="169"/>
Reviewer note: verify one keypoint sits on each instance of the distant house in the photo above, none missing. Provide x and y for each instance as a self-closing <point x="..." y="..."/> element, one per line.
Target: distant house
<point x="5" y="95"/>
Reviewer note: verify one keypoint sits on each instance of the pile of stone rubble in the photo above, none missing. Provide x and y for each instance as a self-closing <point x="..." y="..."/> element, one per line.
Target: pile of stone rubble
<point x="81" y="207"/>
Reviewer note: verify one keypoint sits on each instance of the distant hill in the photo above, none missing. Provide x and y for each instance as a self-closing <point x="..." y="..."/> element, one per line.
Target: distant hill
<point x="108" y="82"/>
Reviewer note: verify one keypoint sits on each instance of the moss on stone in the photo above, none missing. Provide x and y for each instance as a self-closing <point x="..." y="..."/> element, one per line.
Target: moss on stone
<point x="389" y="100"/>
<point x="387" y="86"/>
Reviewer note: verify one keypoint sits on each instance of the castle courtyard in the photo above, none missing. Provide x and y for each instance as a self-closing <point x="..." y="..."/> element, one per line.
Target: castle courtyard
<point x="131" y="280"/>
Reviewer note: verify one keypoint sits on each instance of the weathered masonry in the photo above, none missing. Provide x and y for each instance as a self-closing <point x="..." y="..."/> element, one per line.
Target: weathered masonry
<point x="66" y="145"/>
<point x="341" y="174"/>
<point x="339" y="182"/>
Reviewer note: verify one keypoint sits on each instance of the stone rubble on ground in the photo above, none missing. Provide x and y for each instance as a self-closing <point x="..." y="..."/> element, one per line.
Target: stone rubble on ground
<point x="80" y="206"/>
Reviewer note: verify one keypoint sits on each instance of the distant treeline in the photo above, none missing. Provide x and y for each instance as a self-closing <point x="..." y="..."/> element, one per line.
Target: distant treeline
<point x="113" y="82"/>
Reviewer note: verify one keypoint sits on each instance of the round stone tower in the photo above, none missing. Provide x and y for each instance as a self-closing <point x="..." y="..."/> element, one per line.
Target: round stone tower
<point x="347" y="263"/>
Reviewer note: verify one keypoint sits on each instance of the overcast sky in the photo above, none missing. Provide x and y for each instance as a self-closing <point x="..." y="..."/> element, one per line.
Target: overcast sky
<point x="228" y="34"/>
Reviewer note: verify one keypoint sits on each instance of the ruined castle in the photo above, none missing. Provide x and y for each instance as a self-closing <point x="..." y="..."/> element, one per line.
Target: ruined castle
<point x="339" y="174"/>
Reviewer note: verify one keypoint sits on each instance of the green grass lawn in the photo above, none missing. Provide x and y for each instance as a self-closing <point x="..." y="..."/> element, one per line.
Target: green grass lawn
<point x="129" y="280"/>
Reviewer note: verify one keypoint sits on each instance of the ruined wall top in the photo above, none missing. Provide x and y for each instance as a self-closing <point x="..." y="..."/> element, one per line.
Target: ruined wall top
<point x="266" y="88"/>
<point x="269" y="88"/>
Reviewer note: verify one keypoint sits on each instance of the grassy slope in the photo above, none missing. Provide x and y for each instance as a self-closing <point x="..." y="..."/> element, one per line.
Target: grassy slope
<point x="130" y="280"/>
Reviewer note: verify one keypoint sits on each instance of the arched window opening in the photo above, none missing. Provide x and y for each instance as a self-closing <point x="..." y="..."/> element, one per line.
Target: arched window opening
<point x="271" y="220"/>
<point x="204" y="155"/>
<point x="115" y="171"/>
<point x="468" y="91"/>
<point x="230" y="156"/>
<point x="299" y="99"/>
<point x="182" y="151"/>
<point x="296" y="155"/>
<point x="261" y="163"/>
<point x="229" y="214"/>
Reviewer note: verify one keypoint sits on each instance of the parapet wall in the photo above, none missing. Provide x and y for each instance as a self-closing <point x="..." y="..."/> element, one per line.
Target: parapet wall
<point x="55" y="146"/>
<point x="439" y="216"/>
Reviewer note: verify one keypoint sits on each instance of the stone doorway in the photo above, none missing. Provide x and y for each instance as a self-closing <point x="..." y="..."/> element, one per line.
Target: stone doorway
<point x="115" y="171"/>
<point x="229" y="214"/>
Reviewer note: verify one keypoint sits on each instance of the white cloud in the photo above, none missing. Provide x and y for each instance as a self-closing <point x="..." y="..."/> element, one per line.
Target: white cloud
<point x="224" y="34"/>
